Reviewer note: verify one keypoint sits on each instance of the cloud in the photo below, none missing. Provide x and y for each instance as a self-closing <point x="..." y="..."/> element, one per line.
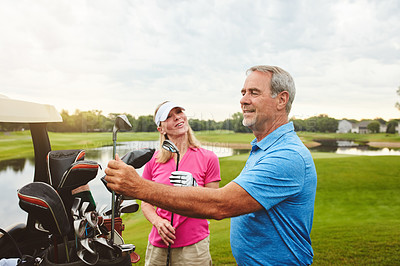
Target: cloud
<point x="128" y="56"/>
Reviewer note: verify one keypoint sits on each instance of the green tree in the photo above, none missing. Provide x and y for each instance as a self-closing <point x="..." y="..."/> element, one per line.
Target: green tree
<point x="321" y="123"/>
<point x="391" y="126"/>
<point x="374" y="127"/>
<point x="299" y="124"/>
<point x="195" y="124"/>
<point x="237" y="125"/>
<point x="146" y="124"/>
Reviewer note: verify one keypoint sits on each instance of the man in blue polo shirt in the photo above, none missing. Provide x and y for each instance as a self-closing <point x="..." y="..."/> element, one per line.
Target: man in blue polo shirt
<point x="271" y="201"/>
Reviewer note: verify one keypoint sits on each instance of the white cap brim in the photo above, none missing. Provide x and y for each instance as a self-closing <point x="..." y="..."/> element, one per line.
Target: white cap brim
<point x="163" y="112"/>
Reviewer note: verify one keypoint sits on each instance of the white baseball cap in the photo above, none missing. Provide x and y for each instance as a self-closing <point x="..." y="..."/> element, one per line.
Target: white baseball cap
<point x="163" y="112"/>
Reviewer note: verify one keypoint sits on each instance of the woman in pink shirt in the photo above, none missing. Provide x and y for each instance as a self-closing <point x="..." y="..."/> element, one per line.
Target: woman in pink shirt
<point x="188" y="237"/>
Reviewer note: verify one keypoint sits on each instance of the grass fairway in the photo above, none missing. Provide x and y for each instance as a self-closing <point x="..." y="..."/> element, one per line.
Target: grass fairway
<point x="357" y="210"/>
<point x="356" y="220"/>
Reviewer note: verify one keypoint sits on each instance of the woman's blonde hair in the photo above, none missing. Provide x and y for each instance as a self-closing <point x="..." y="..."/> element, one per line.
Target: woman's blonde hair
<point x="164" y="156"/>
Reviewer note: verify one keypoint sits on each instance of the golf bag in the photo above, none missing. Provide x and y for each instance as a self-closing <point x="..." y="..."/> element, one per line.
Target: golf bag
<point x="66" y="171"/>
<point x="106" y="257"/>
<point x="50" y="236"/>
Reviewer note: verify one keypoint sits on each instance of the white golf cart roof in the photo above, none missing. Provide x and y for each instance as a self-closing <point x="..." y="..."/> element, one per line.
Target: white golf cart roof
<point x="16" y="111"/>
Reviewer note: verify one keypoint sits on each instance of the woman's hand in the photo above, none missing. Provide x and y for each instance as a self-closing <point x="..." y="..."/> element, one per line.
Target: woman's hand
<point x="165" y="230"/>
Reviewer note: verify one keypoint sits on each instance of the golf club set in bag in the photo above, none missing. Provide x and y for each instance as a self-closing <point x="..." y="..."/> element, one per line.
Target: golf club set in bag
<point x="67" y="231"/>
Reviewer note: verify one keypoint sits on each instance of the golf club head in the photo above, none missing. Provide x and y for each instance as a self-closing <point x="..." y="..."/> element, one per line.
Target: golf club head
<point x="92" y="218"/>
<point x="126" y="247"/>
<point x="101" y="209"/>
<point x="84" y="206"/>
<point x="121" y="123"/>
<point x="74" y="208"/>
<point x="130" y="207"/>
<point x="103" y="242"/>
<point x="80" y="228"/>
<point x="87" y="243"/>
<point x="170" y="146"/>
<point x="87" y="257"/>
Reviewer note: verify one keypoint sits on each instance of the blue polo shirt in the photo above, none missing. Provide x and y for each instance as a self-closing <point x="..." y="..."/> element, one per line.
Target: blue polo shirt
<point x="279" y="174"/>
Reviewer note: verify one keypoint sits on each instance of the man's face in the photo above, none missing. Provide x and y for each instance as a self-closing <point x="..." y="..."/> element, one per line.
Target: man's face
<point x="258" y="106"/>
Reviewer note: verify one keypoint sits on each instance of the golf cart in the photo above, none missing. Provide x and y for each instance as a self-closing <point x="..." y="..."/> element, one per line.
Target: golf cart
<point x="59" y="229"/>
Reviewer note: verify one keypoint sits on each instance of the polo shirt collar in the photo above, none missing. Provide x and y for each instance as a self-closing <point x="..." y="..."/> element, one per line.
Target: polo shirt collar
<point x="266" y="142"/>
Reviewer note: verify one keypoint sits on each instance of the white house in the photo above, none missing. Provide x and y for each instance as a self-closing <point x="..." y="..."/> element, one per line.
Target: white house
<point x="344" y="126"/>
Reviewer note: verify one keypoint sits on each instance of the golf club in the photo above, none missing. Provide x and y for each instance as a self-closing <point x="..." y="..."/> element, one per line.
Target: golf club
<point x="170" y="146"/>
<point x="87" y="243"/>
<point x="101" y="209"/>
<point x="92" y="218"/>
<point x="121" y="123"/>
<point x="102" y="241"/>
<point x="84" y="206"/>
<point x="130" y="207"/>
<point x="87" y="257"/>
<point x="80" y="228"/>
<point x="74" y="208"/>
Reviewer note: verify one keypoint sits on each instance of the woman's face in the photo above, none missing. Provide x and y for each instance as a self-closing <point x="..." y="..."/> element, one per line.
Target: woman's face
<point x="176" y="123"/>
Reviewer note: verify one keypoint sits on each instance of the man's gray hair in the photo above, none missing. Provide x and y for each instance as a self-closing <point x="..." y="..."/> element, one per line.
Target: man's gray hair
<point x="281" y="81"/>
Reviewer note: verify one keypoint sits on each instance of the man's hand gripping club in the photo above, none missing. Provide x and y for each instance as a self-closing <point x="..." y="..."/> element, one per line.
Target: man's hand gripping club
<point x="122" y="178"/>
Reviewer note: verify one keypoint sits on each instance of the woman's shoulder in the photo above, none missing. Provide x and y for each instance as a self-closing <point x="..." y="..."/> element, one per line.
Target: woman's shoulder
<point x="204" y="152"/>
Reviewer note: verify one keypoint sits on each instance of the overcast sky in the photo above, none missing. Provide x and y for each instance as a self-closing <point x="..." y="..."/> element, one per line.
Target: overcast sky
<point x="129" y="56"/>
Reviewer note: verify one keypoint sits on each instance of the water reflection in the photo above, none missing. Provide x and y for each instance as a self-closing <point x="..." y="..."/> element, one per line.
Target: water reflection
<point x="15" y="164"/>
<point x="350" y="147"/>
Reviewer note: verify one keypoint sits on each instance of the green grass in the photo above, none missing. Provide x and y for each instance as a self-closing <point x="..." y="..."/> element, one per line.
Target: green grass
<point x="356" y="220"/>
<point x="224" y="137"/>
<point x="357" y="210"/>
<point x="361" y="138"/>
<point x="19" y="144"/>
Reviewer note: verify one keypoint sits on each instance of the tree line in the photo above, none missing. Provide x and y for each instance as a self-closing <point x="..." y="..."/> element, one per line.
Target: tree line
<point x="95" y="121"/>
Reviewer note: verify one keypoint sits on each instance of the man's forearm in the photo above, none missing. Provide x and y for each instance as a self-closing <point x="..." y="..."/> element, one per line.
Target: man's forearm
<point x="197" y="202"/>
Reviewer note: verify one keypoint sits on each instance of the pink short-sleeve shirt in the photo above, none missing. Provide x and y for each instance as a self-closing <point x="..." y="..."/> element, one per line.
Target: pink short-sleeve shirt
<point x="204" y="166"/>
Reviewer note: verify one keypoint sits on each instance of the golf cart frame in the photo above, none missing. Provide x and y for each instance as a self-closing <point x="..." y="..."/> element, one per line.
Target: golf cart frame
<point x="37" y="116"/>
<point x="28" y="239"/>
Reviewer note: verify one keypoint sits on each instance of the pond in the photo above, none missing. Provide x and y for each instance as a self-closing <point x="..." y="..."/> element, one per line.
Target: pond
<point x="352" y="148"/>
<point x="16" y="173"/>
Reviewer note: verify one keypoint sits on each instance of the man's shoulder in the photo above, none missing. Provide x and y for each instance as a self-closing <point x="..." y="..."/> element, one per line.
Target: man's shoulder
<point x="291" y="144"/>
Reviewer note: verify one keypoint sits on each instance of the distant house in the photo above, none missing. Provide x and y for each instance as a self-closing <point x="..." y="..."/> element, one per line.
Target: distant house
<point x="362" y="127"/>
<point x="344" y="126"/>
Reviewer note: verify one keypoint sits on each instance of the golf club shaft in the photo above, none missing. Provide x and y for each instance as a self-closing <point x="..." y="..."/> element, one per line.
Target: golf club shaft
<point x="113" y="196"/>
<point x="172" y="214"/>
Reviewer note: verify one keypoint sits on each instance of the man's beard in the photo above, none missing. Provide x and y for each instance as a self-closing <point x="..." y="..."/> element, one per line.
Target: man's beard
<point x="249" y="122"/>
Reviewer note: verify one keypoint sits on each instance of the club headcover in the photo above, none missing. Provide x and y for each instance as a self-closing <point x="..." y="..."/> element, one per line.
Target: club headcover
<point x="58" y="162"/>
<point x="44" y="204"/>
<point x="136" y="159"/>
<point x="78" y="174"/>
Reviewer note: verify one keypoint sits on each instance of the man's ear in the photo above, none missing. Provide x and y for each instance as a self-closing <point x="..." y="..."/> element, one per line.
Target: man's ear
<point x="283" y="99"/>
